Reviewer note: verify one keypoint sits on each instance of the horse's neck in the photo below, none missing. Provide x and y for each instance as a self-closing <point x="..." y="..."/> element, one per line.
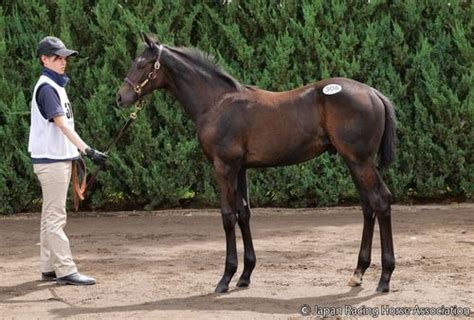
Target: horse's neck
<point x="191" y="87"/>
<point x="193" y="104"/>
<point x="196" y="95"/>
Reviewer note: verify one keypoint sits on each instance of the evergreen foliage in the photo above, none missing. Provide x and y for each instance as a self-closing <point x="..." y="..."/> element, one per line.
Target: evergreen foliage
<point x="418" y="53"/>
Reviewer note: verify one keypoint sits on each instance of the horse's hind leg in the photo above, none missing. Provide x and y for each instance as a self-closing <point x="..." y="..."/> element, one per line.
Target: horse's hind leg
<point x="363" y="262"/>
<point x="243" y="219"/>
<point x="375" y="195"/>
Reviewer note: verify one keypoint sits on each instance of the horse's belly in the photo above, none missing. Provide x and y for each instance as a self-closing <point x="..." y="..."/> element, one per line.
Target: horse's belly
<point x="282" y="153"/>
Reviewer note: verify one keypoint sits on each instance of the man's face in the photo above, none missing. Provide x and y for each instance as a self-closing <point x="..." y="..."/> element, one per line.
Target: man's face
<point x="55" y="63"/>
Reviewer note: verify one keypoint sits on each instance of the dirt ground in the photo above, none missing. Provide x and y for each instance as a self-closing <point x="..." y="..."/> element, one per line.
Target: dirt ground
<point x="165" y="265"/>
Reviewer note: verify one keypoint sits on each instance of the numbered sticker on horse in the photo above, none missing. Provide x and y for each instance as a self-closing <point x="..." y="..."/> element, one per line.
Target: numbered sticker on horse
<point x="332" y="89"/>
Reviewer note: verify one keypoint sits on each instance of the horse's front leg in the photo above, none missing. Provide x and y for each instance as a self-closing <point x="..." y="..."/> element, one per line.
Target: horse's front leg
<point x="226" y="178"/>
<point x="243" y="208"/>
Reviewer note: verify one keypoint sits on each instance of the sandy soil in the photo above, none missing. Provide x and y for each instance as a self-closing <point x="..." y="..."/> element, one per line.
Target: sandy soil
<point x="165" y="265"/>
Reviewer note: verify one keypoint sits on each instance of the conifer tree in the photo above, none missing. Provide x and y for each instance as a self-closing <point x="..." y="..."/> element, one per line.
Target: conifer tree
<point x="418" y="53"/>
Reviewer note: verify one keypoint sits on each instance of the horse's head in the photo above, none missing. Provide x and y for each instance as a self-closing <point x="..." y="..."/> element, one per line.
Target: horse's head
<point x="145" y="74"/>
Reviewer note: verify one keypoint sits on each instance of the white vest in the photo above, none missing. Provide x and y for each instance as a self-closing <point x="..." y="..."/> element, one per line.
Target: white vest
<point x="46" y="139"/>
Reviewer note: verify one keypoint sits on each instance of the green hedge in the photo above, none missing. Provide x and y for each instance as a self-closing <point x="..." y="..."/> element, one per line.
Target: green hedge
<point x="418" y="53"/>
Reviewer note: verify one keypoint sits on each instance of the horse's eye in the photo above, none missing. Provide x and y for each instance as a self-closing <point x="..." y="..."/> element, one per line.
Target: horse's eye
<point x="141" y="63"/>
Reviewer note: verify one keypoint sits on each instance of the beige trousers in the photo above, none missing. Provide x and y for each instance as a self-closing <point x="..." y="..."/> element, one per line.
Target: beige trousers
<point x="55" y="252"/>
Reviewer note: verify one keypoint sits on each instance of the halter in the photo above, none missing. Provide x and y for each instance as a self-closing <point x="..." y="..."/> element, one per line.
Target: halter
<point x="151" y="76"/>
<point x="80" y="181"/>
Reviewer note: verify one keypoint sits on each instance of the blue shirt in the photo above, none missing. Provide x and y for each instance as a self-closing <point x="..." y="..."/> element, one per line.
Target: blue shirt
<point x="47" y="98"/>
<point x="49" y="103"/>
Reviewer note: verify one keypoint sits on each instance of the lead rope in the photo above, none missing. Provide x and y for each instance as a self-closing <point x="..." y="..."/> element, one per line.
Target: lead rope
<point x="79" y="172"/>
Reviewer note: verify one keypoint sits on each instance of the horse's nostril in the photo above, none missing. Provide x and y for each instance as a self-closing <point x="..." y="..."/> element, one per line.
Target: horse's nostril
<point x="119" y="98"/>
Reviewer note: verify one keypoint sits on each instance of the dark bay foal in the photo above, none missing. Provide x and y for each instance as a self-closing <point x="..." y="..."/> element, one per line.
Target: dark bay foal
<point x="242" y="127"/>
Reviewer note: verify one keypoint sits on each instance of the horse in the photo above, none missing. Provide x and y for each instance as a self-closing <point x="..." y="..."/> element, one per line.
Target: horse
<point x="240" y="127"/>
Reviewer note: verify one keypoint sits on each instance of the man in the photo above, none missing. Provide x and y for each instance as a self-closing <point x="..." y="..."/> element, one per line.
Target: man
<point x="54" y="144"/>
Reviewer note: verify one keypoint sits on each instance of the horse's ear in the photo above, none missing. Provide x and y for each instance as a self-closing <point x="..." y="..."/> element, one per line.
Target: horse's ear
<point x="149" y="41"/>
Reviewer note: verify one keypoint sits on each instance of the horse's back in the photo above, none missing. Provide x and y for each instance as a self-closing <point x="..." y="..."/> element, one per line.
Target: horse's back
<point x="267" y="128"/>
<point x="271" y="128"/>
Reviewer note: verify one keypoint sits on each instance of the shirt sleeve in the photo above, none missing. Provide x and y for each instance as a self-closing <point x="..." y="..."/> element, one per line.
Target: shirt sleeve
<point x="48" y="102"/>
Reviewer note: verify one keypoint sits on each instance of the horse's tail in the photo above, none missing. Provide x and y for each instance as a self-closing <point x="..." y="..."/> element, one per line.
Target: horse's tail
<point x="387" y="149"/>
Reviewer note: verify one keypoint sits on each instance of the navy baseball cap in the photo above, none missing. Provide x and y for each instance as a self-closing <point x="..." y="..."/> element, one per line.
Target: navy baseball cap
<point x="53" y="46"/>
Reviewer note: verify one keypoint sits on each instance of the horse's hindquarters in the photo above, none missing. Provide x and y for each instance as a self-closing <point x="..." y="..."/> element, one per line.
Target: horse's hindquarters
<point x="354" y="120"/>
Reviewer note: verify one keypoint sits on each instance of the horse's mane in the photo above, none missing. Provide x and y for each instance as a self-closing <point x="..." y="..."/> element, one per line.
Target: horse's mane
<point x="206" y="62"/>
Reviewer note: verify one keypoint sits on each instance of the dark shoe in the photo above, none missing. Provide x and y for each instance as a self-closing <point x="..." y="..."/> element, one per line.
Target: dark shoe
<point x="76" y="279"/>
<point x="48" y="276"/>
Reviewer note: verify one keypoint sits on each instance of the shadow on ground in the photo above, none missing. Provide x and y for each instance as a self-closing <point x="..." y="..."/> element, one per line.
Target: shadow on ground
<point x="214" y="302"/>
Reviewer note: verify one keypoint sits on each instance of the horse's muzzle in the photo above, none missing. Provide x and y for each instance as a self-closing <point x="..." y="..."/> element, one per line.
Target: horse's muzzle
<point x="118" y="100"/>
<point x="125" y="96"/>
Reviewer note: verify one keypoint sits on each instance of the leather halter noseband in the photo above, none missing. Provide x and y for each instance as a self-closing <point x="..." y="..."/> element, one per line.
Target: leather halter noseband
<point x="151" y="76"/>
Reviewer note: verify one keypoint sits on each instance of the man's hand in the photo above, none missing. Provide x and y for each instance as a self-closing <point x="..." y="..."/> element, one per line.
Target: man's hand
<point x="97" y="157"/>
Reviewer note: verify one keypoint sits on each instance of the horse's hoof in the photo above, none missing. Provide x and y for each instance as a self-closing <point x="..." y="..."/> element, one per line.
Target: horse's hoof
<point x="383" y="287"/>
<point x="243" y="283"/>
<point x="221" y="289"/>
<point x="355" y="281"/>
